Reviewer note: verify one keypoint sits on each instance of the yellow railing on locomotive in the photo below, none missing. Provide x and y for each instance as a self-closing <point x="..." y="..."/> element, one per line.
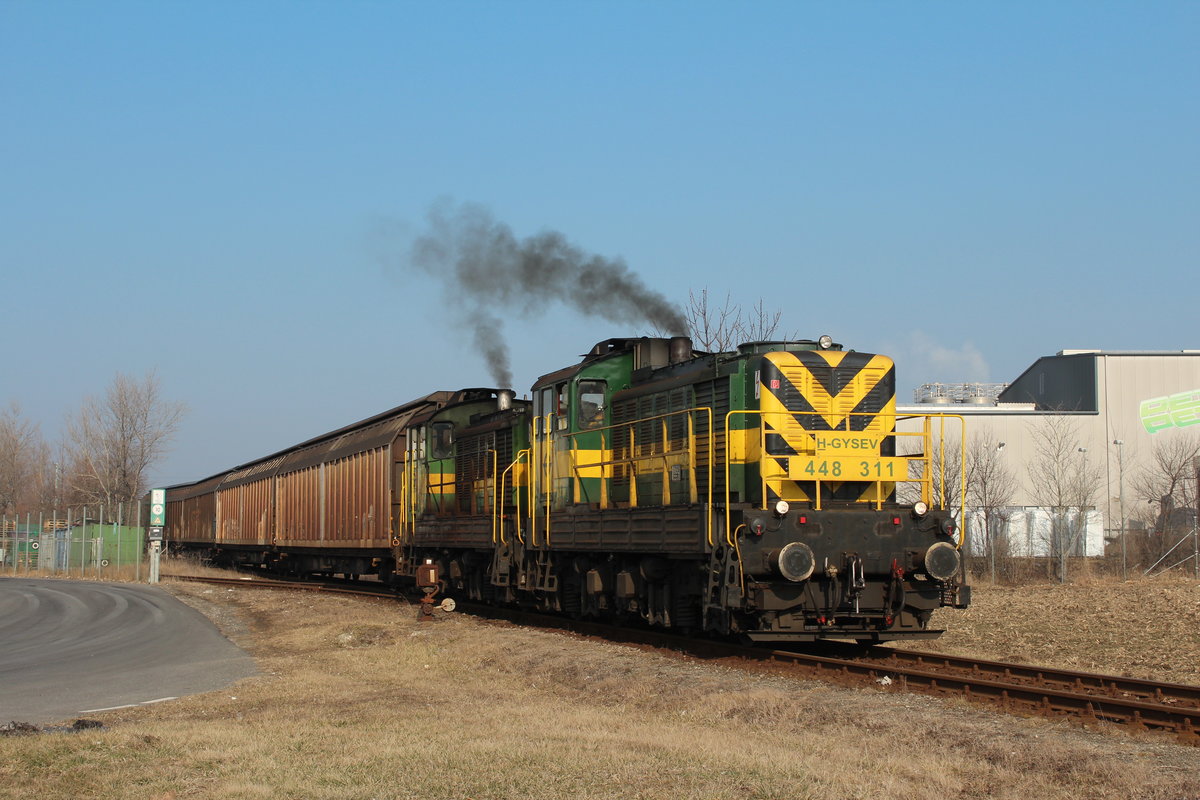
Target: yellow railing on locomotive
<point x="416" y="489"/>
<point x="843" y="454"/>
<point x="405" y="500"/>
<point x="931" y="461"/>
<point x="559" y="461"/>
<point x="513" y="470"/>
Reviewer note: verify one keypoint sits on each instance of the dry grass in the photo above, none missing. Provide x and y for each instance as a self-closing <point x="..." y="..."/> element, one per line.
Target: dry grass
<point x="1146" y="628"/>
<point x="126" y="573"/>
<point x="359" y="700"/>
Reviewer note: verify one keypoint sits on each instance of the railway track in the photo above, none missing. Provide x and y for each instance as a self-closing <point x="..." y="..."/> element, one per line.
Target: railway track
<point x="298" y="585"/>
<point x="1143" y="704"/>
<point x="1129" y="702"/>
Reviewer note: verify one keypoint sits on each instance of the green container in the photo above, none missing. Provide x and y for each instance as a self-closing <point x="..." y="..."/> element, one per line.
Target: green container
<point x="105" y="545"/>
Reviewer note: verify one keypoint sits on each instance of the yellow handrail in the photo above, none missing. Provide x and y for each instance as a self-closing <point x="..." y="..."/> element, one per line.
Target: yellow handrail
<point x="497" y="507"/>
<point x="541" y="477"/>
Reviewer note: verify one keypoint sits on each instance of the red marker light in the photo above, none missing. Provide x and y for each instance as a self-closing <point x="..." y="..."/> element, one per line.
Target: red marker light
<point x="895" y="520"/>
<point x="804" y="520"/>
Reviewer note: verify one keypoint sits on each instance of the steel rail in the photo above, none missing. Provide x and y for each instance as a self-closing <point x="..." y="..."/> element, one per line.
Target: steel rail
<point x="262" y="583"/>
<point x="1010" y="694"/>
<point x="1069" y="680"/>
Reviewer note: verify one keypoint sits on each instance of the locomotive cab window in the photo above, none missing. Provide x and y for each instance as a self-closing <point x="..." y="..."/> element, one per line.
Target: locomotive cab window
<point x="441" y="440"/>
<point x="591" y="404"/>
<point x="561" y="412"/>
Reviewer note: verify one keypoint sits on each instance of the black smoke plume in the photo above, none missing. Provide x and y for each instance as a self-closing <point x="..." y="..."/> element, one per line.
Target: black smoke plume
<point x="486" y="269"/>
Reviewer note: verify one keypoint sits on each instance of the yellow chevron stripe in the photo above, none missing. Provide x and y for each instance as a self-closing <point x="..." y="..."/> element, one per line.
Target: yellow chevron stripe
<point x="833" y="408"/>
<point x="788" y="490"/>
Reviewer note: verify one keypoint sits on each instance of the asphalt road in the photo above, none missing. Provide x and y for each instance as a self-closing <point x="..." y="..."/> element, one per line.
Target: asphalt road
<point x="70" y="648"/>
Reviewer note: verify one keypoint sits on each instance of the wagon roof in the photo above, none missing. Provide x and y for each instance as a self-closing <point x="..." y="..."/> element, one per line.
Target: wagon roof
<point x="366" y="434"/>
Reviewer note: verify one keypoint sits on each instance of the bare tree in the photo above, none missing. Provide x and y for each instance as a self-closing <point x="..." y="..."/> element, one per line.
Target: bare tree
<point x="943" y="471"/>
<point x="714" y="329"/>
<point x="946" y="463"/>
<point x="719" y="329"/>
<point x="22" y="455"/>
<point x="1167" y="485"/>
<point x="760" y="325"/>
<point x="114" y="440"/>
<point x="1065" y="482"/>
<point x="991" y="485"/>
<point x="50" y="481"/>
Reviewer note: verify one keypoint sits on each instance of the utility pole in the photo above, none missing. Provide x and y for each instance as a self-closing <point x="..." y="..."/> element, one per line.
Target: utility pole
<point x="991" y="526"/>
<point x="1121" y="500"/>
<point x="1196" y="521"/>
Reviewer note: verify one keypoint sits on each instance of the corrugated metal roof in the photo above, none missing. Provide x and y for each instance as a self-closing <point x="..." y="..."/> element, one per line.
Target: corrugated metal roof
<point x="363" y="435"/>
<point x="434" y="398"/>
<point x="254" y="472"/>
<point x="355" y="441"/>
<point x="189" y="490"/>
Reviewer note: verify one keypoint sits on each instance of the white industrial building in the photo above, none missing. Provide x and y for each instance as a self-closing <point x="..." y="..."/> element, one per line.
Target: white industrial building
<point x="1118" y="406"/>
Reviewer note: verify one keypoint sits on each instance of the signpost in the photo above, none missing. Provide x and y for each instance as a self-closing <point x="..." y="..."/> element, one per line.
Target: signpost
<point x="158" y="518"/>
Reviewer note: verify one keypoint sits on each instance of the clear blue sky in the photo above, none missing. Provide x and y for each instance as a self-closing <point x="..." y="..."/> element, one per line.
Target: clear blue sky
<point x="194" y="187"/>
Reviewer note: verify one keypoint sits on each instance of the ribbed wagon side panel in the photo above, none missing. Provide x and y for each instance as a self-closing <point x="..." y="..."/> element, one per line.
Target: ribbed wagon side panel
<point x="299" y="508"/>
<point x="192" y="512"/>
<point x="199" y="519"/>
<point x="229" y="515"/>
<point x="358" y="500"/>
<point x="245" y="514"/>
<point x="246" y="505"/>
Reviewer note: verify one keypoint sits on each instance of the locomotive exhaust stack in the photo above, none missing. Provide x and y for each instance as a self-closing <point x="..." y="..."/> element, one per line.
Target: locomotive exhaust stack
<point x="681" y="349"/>
<point x="504" y="400"/>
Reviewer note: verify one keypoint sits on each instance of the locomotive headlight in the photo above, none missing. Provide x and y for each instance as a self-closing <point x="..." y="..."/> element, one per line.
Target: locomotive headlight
<point x="920" y="508"/>
<point x="795" y="561"/>
<point x="825" y="342"/>
<point x="781" y="508"/>
<point x="942" y="561"/>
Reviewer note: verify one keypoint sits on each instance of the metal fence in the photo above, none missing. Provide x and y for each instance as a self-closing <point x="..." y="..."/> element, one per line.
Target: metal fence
<point x="85" y="542"/>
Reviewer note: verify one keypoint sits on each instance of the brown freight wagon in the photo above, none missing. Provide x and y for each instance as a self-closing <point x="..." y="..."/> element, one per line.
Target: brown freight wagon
<point x="336" y="496"/>
<point x="246" y="505"/>
<point x="325" y="505"/>
<point x="192" y="512"/>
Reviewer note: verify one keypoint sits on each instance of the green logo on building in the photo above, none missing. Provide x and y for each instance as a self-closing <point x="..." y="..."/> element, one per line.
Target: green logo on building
<point x="1174" y="411"/>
